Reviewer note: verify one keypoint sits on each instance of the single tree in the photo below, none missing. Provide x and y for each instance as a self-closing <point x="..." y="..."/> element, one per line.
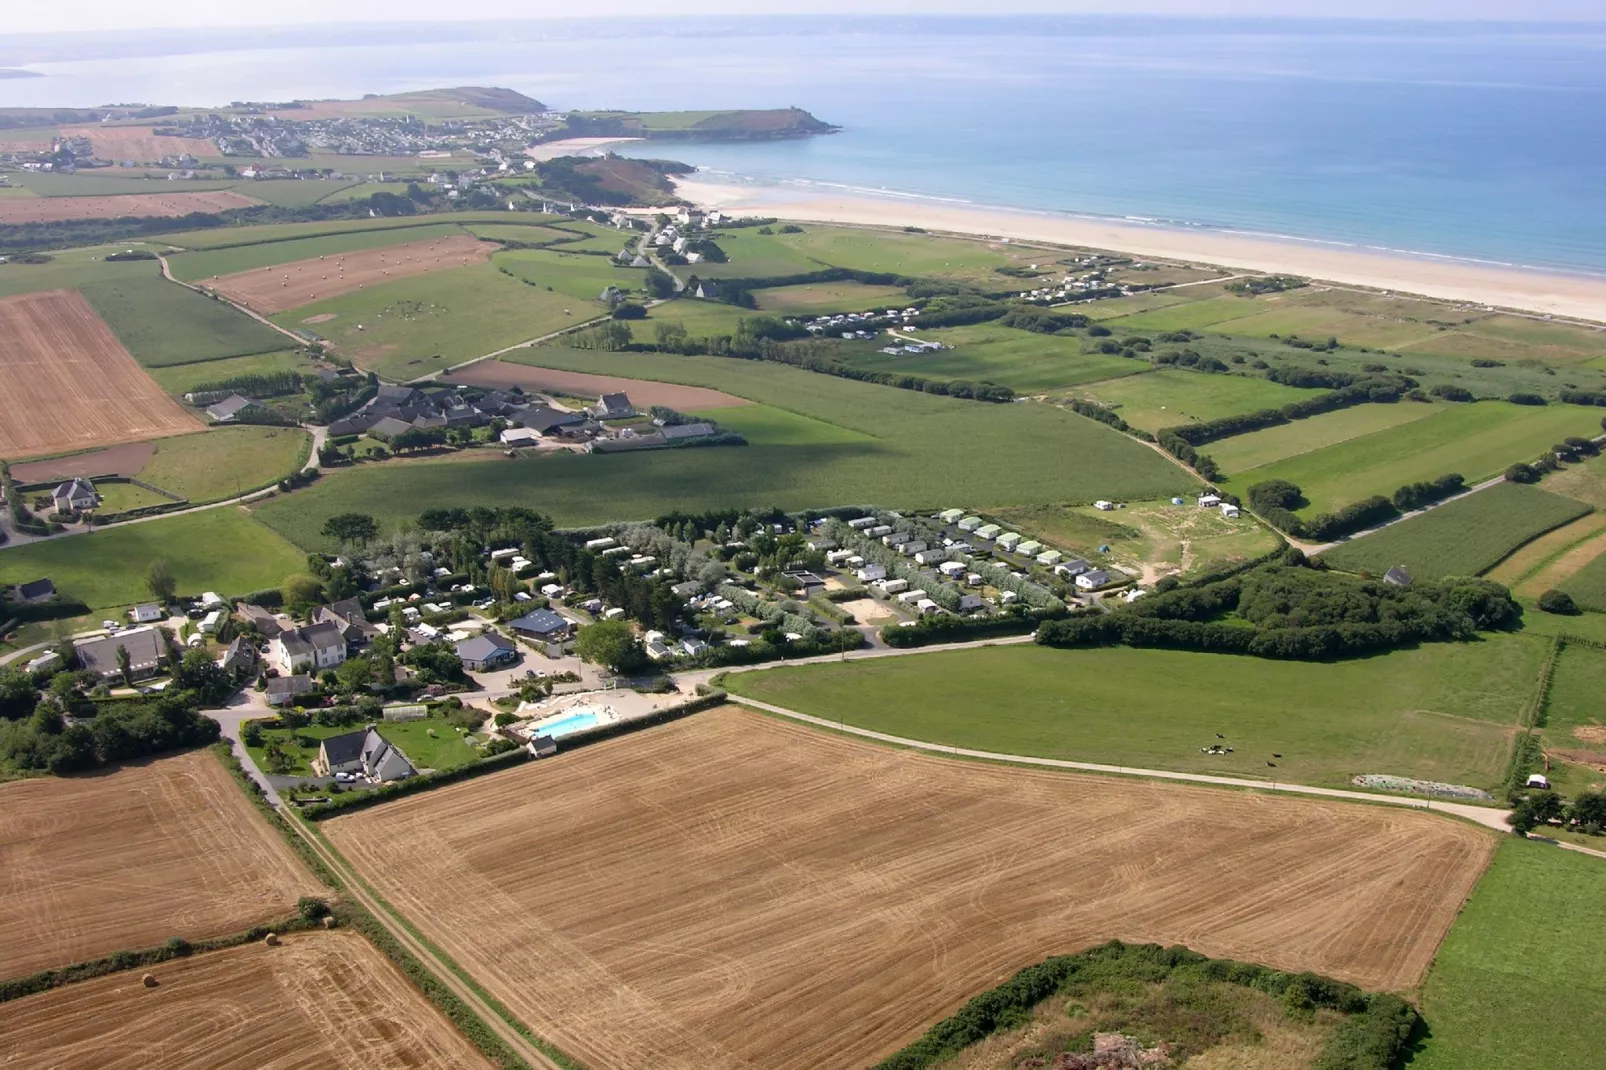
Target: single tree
<point x="159" y="578"/>
<point x="351" y="527"/>
<point x="125" y="665"/>
<point x="301" y="591"/>
<point x="612" y="644"/>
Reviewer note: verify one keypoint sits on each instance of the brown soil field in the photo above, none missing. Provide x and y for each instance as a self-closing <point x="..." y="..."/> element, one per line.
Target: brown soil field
<point x="67" y="383"/>
<point x="118" y="205"/>
<point x="123" y="860"/>
<point x="497" y="374"/>
<point x="124" y="460"/>
<point x="733" y="891"/>
<point x="319" y="999"/>
<point x="139" y="143"/>
<point x="301" y="282"/>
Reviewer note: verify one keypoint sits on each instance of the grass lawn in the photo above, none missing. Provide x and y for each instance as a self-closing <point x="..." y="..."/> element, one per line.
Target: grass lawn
<point x="1021" y="360"/>
<point x="702" y="319"/>
<point x="1181" y="539"/>
<point x="1464" y="538"/>
<point x="225" y="461"/>
<point x="1243" y="452"/>
<point x="220" y="550"/>
<point x="1170" y="397"/>
<point x="445" y="750"/>
<point x="1443" y="711"/>
<point x="163" y="323"/>
<point x="817" y="297"/>
<point x="417" y="326"/>
<point x="201" y="265"/>
<point x="1517" y="982"/>
<point x="902" y="449"/>
<point x="117" y="497"/>
<point x="182" y="378"/>
<point x="1477" y="440"/>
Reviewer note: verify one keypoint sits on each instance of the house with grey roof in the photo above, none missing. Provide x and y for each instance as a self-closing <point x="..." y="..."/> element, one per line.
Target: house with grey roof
<point x="543" y="624"/>
<point x="487" y="651"/>
<point x="364" y="753"/>
<point x="613" y="407"/>
<point x="314" y="646"/>
<point x="147" y="653"/>
<point x="283" y="690"/>
<point x="228" y="410"/>
<point x="75" y="496"/>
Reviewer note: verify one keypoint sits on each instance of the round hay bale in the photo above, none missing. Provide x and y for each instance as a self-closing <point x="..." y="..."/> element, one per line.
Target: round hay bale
<point x="272" y="939"/>
<point x="329" y="921"/>
<point x="148" y="980"/>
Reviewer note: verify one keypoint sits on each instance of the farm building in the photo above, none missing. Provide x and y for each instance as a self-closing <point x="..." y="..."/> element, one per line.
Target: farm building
<point x="283" y="690"/>
<point x="486" y="651"/>
<point x="1092" y="579"/>
<point x="544" y="625"/>
<point x="228" y="410"/>
<point x="518" y="436"/>
<point x="362" y="753"/>
<point x="74" y="496"/>
<point x="147" y="652"/>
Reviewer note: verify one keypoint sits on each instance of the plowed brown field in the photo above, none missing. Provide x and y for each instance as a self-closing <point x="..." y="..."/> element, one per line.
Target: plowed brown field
<point x="139" y="143"/>
<point x="321" y="999"/>
<point x="95" y="864"/>
<point x="118" y="206"/>
<point x="67" y="383"/>
<point x="728" y="891"/>
<point x="497" y="374"/>
<point x="301" y="282"/>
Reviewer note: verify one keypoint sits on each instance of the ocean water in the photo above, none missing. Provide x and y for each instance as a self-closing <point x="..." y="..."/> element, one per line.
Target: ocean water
<point x="1482" y="142"/>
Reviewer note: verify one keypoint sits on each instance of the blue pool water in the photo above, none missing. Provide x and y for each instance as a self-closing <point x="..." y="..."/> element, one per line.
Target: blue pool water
<point x="575" y="722"/>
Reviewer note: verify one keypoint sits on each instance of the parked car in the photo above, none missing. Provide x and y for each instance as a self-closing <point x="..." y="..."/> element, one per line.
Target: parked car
<point x="345" y="778"/>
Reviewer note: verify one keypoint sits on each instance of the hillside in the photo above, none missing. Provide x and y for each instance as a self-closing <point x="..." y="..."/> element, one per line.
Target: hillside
<point x="737" y="125"/>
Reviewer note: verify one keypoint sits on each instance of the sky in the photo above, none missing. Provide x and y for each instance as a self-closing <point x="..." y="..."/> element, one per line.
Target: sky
<point x="78" y="15"/>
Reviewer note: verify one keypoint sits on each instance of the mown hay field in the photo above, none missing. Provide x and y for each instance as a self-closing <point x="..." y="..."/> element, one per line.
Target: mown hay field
<point x="226" y="461"/>
<point x="325" y="999"/>
<point x="67" y="383"/>
<point x="732" y="891"/>
<point x="1538" y="565"/>
<point x="123" y="860"/>
<point x="1588" y="584"/>
<point x="1465" y="537"/>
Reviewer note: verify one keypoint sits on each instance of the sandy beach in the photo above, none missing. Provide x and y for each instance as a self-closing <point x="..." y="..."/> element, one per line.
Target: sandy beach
<point x="1571" y="296"/>
<point x="576" y="146"/>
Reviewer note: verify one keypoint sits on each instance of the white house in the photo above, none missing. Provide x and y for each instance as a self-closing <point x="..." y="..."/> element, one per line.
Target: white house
<point x="315" y="647"/>
<point x="74" y="496"/>
<point x="871" y="572"/>
<point x="1103" y="506"/>
<point x="1092" y="579"/>
<point x="362" y="753"/>
<point x="952" y="569"/>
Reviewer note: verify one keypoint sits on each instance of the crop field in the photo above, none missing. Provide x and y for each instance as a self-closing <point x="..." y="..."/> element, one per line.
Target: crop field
<point x="1519" y="972"/>
<point x="53" y="209"/>
<point x="123" y="860"/>
<point x="179" y="379"/>
<point x="264" y="250"/>
<point x="410" y="327"/>
<point x="163" y="324"/>
<point x="220" y="550"/>
<point x="926" y="450"/>
<point x="1439" y="712"/>
<point x="1515" y="338"/>
<point x="1169" y="397"/>
<point x="814" y="298"/>
<point x="1113" y="308"/>
<point x="69" y="384"/>
<point x="318" y="999"/>
<point x="499" y="374"/>
<point x="1025" y="362"/>
<point x="1243" y="452"/>
<point x="765" y="425"/>
<point x="1553" y="557"/>
<point x="226" y="461"/>
<point x="1477" y="440"/>
<point x="1587" y="585"/>
<point x="302" y="282"/>
<point x="574" y="275"/>
<point x="1465" y="537"/>
<point x="721" y="872"/>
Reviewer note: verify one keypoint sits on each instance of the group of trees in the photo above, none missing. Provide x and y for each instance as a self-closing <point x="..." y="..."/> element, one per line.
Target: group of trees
<point x="1276" y="499"/>
<point x="1357" y="391"/>
<point x="43" y="739"/>
<point x="1587" y="812"/>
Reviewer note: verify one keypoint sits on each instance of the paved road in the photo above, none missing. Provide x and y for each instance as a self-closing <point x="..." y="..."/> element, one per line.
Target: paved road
<point x="248" y="705"/>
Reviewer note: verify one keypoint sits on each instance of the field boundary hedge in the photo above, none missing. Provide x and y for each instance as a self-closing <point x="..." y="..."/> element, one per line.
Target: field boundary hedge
<point x="1374" y="1035"/>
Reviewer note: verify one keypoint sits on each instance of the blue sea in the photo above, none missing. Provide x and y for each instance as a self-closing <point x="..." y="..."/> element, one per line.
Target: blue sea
<point x="1486" y="142"/>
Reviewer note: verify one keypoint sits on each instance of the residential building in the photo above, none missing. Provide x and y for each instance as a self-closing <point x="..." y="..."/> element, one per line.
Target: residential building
<point x="240" y="658"/>
<point x="269" y="624"/>
<point x="147" y="653"/>
<point x="1092" y="579"/>
<point x="543" y="625"/>
<point x="349" y="616"/>
<point x="613" y="407"/>
<point x="283" y="690"/>
<point x="364" y="753"/>
<point x="74" y="496"/>
<point x="313" y="646"/>
<point x="487" y="651"/>
<point x="148" y="613"/>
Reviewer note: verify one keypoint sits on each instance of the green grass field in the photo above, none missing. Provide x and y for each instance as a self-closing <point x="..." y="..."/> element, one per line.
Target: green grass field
<point x="1477" y="440"/>
<point x="293" y="193"/>
<point x="357" y="191"/>
<point x="903" y="448"/>
<point x="754" y="255"/>
<point x="1021" y="360"/>
<point x="1588" y="585"/>
<point x="1183" y="539"/>
<point x="49" y="184"/>
<point x="1243" y="452"/>
<point x="1440" y="712"/>
<point x="915" y="255"/>
<point x="163" y="323"/>
<point x="808" y="299"/>
<point x="225" y="461"/>
<point x="117" y="497"/>
<point x="1517" y="982"/>
<point x="1574" y="699"/>
<point x="69" y="270"/>
<point x="1466" y="537"/>
<point x="702" y="319"/>
<point x="223" y="237"/>
<point x="220" y="550"/>
<point x="765" y="425"/>
<point x="421" y="325"/>
<point x="201" y="264"/>
<point x="573" y="275"/>
<point x="179" y="379"/>
<point x="1169" y="397"/>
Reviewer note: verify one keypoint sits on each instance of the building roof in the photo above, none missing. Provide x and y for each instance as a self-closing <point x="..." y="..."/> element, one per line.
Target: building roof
<point x="229" y="407"/>
<point x="617" y="402"/>
<point x="37" y="589"/>
<point x="399" y="395"/>
<point x="696" y="430"/>
<point x="145" y="648"/>
<point x="541" y="622"/>
<point x="75" y="488"/>
<point x="389" y="425"/>
<point x="1398" y="575"/>
<point x="344" y="748"/>
<point x="484" y="647"/>
<point x="544" y="418"/>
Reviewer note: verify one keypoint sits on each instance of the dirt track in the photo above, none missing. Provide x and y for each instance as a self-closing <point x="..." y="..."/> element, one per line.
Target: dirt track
<point x="138" y="143"/>
<point x="729" y="891"/>
<point x="118" y="206"/>
<point x="643" y="392"/>
<point x="67" y="383"/>
<point x="301" y="282"/>
<point x="100" y="863"/>
<point x="320" y="999"/>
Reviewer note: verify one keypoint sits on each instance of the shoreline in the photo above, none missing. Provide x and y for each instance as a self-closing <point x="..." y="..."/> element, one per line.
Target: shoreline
<point x="1495" y="286"/>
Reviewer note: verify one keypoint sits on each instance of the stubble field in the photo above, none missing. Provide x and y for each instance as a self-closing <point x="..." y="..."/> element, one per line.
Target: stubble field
<point x="67" y="383"/>
<point x="139" y="143"/>
<point x="114" y="206"/>
<point x="95" y="864"/>
<point x="730" y="891"/>
<point x="286" y="286"/>
<point x="497" y="374"/>
<point x="324" y="999"/>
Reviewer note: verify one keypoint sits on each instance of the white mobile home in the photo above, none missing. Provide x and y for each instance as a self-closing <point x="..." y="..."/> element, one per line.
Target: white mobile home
<point x="1009" y="540"/>
<point x="988" y="531"/>
<point x="951" y="516"/>
<point x="970" y="523"/>
<point x="893" y="586"/>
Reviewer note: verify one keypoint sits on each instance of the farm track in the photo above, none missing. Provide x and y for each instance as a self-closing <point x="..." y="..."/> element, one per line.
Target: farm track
<point x="674" y="898"/>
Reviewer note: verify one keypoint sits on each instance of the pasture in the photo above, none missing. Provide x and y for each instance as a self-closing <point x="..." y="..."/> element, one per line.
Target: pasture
<point x="574" y="275"/>
<point x="916" y="255"/>
<point x="1240" y="453"/>
<point x="302" y="282"/>
<point x="1466" y="537"/>
<point x="319" y="998"/>
<point x="1519" y="972"/>
<point x="1477" y="440"/>
<point x="254" y="251"/>
<point x="123" y="860"/>
<point x="725" y="870"/>
<point x="220" y="550"/>
<point x="226" y="461"/>
<point x="926" y="450"/>
<point x="1443" y="712"/>
<point x="15" y="210"/>
<point x="1587" y="584"/>
<point x="69" y="384"/>
<point x="182" y="378"/>
<point x="164" y="324"/>
<point x="815" y="298"/>
<point x="1169" y="397"/>
<point x="751" y="255"/>
<point x="1025" y="362"/>
<point x="1547" y="561"/>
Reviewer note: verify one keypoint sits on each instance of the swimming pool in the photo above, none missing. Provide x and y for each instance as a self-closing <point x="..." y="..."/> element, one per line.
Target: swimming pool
<point x="575" y="722"/>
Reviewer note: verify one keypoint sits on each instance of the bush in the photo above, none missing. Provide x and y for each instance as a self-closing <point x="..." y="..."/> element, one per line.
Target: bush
<point x="1554" y="601"/>
<point x="1521" y="398"/>
<point x="1522" y="473"/>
